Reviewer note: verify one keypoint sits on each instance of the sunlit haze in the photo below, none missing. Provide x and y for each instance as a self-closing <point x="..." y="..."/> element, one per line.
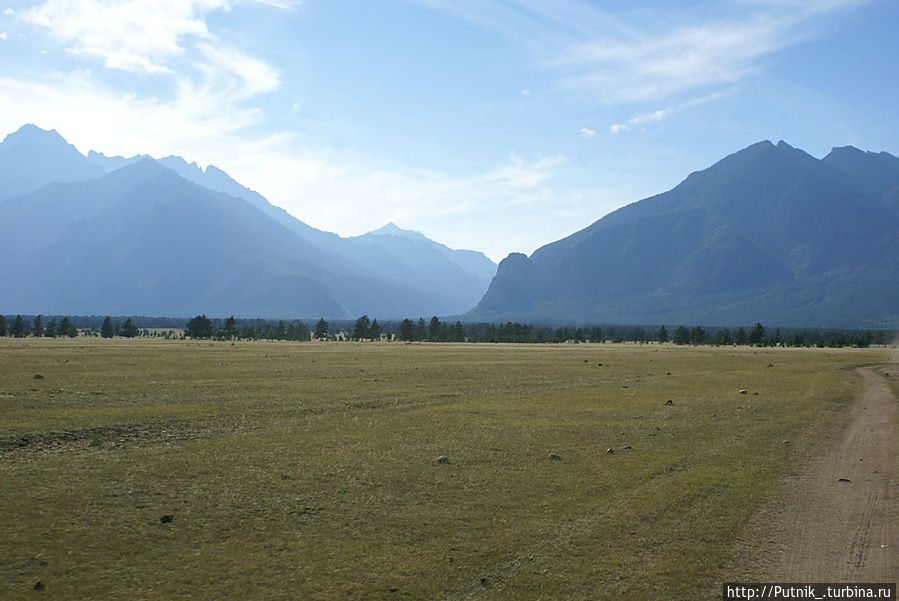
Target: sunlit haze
<point x="496" y="125"/>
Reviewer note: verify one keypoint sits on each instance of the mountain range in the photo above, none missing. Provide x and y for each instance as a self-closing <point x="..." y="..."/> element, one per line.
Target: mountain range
<point x="113" y="235"/>
<point x="767" y="234"/>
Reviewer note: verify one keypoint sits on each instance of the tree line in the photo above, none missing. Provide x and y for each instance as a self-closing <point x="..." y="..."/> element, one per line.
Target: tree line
<point x="434" y="330"/>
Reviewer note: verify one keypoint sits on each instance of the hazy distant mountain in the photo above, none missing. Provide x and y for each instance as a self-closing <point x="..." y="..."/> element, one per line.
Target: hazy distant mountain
<point x="167" y="237"/>
<point x="471" y="261"/>
<point x="32" y="157"/>
<point x="143" y="240"/>
<point x="769" y="233"/>
<point x="411" y="257"/>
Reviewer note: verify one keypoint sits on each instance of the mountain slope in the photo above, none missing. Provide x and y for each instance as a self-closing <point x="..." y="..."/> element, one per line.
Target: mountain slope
<point x="454" y="280"/>
<point x="143" y="240"/>
<point x="378" y="275"/>
<point x="409" y="256"/>
<point x="768" y="233"/>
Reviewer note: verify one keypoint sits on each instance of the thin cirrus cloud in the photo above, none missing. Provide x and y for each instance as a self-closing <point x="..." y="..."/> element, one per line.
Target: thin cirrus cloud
<point x="654" y="65"/>
<point x="642" y="119"/>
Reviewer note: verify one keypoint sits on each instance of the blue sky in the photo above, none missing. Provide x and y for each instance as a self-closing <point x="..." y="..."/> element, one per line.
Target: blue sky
<point x="498" y="125"/>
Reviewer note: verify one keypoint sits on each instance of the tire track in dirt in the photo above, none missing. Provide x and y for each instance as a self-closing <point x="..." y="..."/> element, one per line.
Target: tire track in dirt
<point x="836" y="521"/>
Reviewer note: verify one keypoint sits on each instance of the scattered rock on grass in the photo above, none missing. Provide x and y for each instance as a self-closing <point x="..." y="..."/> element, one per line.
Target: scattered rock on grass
<point x="844" y="480"/>
<point x="167" y="518"/>
<point x="744" y="391"/>
<point x="610" y="451"/>
<point x="554" y="457"/>
<point x="38" y="377"/>
<point x="38" y="586"/>
<point x="443" y="459"/>
<point x="669" y="402"/>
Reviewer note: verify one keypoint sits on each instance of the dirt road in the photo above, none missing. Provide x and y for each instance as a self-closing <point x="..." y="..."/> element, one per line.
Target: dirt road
<point x="836" y="521"/>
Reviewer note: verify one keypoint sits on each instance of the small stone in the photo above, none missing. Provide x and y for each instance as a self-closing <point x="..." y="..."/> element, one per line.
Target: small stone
<point x="610" y="451"/>
<point x="755" y="394"/>
<point x="443" y="459"/>
<point x="167" y="518"/>
<point x="669" y="402"/>
<point x="627" y="446"/>
<point x="393" y="589"/>
<point x="744" y="391"/>
<point x="844" y="480"/>
<point x="38" y="586"/>
<point x="786" y="442"/>
<point x="554" y="457"/>
<point x="38" y="377"/>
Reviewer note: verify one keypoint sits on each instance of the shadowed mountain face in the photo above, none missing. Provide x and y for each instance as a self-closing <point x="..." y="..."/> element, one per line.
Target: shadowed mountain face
<point x="768" y="233"/>
<point x="141" y="236"/>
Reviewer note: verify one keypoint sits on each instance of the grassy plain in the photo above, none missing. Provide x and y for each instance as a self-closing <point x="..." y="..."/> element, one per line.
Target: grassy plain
<point x="309" y="471"/>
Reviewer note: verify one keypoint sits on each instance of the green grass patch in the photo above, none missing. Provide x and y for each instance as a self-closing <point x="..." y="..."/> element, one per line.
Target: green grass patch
<point x="309" y="471"/>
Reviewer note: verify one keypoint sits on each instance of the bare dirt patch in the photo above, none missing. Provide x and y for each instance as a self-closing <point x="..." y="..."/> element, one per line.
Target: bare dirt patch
<point x="835" y="521"/>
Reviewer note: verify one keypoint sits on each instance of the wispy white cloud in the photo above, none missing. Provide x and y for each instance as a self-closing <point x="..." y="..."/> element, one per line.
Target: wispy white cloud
<point x="688" y="56"/>
<point x="2" y="35"/>
<point x="315" y="183"/>
<point x="648" y="117"/>
<point x="146" y="37"/>
<point x="587" y="132"/>
<point x="627" y="55"/>
<point x="211" y="81"/>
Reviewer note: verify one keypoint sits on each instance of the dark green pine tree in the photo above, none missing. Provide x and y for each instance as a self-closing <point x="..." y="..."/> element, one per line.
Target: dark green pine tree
<point x="756" y="334"/>
<point x="230" y="328"/>
<point x="362" y="328"/>
<point x="374" y="332"/>
<point x="67" y="328"/>
<point x="37" y="328"/>
<point x="740" y="336"/>
<point x="107" y="330"/>
<point x="129" y="330"/>
<point x="421" y="329"/>
<point x="321" y="329"/>
<point x="596" y="334"/>
<point x="681" y="335"/>
<point x="407" y="329"/>
<point x="2" y="325"/>
<point x="52" y="329"/>
<point x="697" y="336"/>
<point x="199" y="327"/>
<point x="18" y="328"/>
<point x="662" y="335"/>
<point x="433" y="328"/>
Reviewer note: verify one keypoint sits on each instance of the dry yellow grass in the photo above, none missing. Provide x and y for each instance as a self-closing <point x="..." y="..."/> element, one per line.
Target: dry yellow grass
<point x="309" y="471"/>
